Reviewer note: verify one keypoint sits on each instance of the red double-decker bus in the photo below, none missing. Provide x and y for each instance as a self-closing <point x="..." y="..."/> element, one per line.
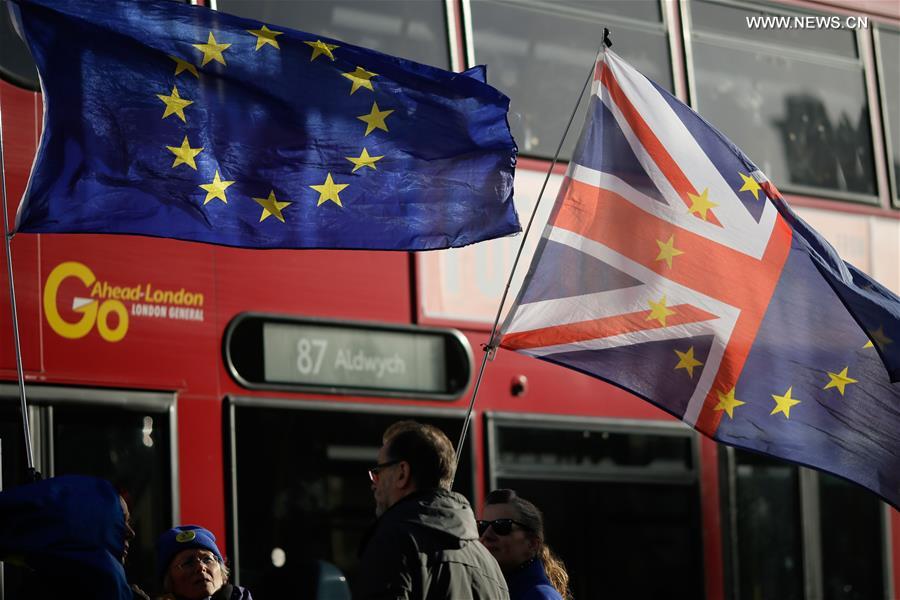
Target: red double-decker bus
<point x="247" y="390"/>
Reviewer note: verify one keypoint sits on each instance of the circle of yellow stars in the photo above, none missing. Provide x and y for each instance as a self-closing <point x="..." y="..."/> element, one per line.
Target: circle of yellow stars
<point x="214" y="50"/>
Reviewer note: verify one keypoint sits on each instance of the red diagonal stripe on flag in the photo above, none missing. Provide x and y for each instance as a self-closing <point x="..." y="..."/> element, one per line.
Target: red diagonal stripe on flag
<point x="708" y="267"/>
<point x="602" y="328"/>
<point x="651" y="143"/>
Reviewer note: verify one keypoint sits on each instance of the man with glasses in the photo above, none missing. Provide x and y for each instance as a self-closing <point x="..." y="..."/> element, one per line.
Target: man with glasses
<point x="424" y="543"/>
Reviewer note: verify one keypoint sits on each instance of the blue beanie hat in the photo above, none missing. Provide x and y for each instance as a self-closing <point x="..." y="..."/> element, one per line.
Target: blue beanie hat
<point x="181" y="538"/>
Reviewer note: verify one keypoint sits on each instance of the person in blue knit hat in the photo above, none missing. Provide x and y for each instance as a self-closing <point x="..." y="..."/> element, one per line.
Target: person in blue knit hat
<point x="190" y="566"/>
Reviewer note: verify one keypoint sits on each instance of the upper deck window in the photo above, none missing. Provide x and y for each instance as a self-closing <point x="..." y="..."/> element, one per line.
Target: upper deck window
<point x="539" y="53"/>
<point x="888" y="50"/>
<point x="16" y="64"/>
<point x="790" y="93"/>
<point x="413" y="30"/>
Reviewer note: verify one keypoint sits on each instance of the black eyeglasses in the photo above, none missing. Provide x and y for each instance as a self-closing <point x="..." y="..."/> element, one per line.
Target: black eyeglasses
<point x="500" y="526"/>
<point x="373" y="472"/>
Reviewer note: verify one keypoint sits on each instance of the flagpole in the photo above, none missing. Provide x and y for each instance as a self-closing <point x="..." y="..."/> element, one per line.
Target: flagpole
<point x="490" y="349"/>
<point x="32" y="473"/>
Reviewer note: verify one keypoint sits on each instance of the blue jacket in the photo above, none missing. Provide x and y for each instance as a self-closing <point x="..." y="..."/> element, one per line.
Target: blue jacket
<point x="529" y="582"/>
<point x="70" y="531"/>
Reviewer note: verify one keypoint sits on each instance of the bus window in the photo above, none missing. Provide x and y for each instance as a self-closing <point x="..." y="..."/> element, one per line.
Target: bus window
<point x="123" y="437"/>
<point x="852" y="565"/>
<point x="618" y="502"/>
<point x="888" y="53"/>
<point x="12" y="471"/>
<point x="792" y="98"/>
<point x="131" y="449"/>
<point x="16" y="64"/>
<point x="414" y="30"/>
<point x="799" y="533"/>
<point x="12" y="445"/>
<point x="555" y="43"/>
<point x="302" y="491"/>
<point x="769" y="537"/>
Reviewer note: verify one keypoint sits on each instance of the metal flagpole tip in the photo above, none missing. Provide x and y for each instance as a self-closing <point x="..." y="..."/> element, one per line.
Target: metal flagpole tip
<point x="606" y="41"/>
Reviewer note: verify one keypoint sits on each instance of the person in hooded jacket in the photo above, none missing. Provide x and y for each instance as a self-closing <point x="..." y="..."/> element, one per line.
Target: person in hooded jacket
<point x="70" y="535"/>
<point x="424" y="544"/>
<point x="512" y="529"/>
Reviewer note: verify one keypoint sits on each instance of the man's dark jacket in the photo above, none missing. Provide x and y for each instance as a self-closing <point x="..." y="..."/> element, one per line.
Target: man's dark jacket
<point x="425" y="547"/>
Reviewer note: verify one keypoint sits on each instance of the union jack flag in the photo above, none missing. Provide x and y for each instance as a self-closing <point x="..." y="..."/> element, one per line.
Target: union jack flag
<point x="671" y="267"/>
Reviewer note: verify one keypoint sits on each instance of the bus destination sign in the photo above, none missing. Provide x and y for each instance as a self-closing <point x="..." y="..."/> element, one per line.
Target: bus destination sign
<point x="341" y="357"/>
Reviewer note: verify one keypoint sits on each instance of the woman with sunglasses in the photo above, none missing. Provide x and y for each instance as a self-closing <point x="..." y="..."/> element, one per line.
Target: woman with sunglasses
<point x="512" y="529"/>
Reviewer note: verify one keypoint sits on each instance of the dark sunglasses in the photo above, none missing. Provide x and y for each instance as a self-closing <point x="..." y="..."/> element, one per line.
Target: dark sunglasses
<point x="373" y="472"/>
<point x="500" y="526"/>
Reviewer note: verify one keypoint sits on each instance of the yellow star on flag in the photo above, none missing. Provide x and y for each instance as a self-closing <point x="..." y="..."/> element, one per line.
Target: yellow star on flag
<point x="319" y="48"/>
<point x="728" y="403"/>
<point x="375" y="119"/>
<point x="659" y="311"/>
<point x="839" y="380"/>
<point x="360" y="78"/>
<point x="700" y="204"/>
<point x="271" y="207"/>
<point x="265" y="36"/>
<point x="784" y="403"/>
<point x="750" y="185"/>
<point x="184" y="154"/>
<point x="183" y="65"/>
<point x="175" y="104"/>
<point x="329" y="191"/>
<point x="211" y="50"/>
<point x="363" y="160"/>
<point x="687" y="361"/>
<point x="667" y="250"/>
<point x="215" y="189"/>
<point x="879" y="337"/>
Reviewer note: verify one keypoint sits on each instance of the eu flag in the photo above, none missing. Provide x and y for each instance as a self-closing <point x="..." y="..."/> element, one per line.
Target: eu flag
<point x="71" y="531"/>
<point x="673" y="268"/>
<point x="170" y="120"/>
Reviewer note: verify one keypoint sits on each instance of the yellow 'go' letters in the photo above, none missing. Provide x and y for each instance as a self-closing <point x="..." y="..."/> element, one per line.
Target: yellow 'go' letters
<point x="91" y="312"/>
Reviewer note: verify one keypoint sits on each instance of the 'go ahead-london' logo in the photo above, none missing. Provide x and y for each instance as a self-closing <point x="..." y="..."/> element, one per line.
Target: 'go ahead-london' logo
<point x="102" y="300"/>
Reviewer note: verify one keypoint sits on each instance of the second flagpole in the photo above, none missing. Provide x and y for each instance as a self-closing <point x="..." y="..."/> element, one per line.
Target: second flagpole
<point x="490" y="347"/>
<point x="32" y="472"/>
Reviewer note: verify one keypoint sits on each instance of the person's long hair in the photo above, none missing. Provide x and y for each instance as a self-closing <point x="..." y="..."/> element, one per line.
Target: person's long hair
<point x="531" y="516"/>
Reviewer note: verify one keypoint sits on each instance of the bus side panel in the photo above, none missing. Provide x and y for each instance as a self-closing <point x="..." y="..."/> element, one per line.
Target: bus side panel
<point x="201" y="464"/>
<point x="23" y="108"/>
<point x="321" y="283"/>
<point x="130" y="311"/>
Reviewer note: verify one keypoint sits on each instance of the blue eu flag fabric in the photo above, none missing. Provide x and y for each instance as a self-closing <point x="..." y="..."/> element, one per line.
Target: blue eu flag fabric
<point x="71" y="531"/>
<point x="170" y="120"/>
